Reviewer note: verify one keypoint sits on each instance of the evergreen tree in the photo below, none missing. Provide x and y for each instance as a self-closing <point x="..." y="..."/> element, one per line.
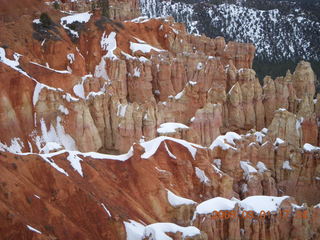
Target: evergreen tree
<point x="56" y="5"/>
<point x="45" y="20"/>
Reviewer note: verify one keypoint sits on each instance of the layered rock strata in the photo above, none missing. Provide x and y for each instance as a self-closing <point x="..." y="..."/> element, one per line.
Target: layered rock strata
<point x="98" y="196"/>
<point x="124" y="93"/>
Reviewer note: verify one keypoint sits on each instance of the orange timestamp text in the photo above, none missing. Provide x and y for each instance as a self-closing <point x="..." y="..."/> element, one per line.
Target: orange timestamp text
<point x="232" y="214"/>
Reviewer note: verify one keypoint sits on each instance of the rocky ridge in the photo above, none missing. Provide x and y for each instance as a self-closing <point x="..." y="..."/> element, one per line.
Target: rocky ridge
<point x="119" y="10"/>
<point x="109" y="89"/>
<point x="284" y="32"/>
<point x="280" y="30"/>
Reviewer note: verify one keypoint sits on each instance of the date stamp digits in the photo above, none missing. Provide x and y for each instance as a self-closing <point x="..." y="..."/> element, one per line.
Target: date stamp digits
<point x="232" y="214"/>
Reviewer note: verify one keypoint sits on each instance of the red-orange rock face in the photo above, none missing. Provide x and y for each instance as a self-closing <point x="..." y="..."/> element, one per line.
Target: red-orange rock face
<point x="122" y="88"/>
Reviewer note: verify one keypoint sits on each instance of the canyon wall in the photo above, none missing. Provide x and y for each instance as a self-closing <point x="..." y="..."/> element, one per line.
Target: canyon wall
<point x="69" y="194"/>
<point x="118" y="10"/>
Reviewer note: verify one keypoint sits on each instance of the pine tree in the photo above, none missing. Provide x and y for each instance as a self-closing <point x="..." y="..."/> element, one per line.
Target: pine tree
<point x="56" y="5"/>
<point x="45" y="20"/>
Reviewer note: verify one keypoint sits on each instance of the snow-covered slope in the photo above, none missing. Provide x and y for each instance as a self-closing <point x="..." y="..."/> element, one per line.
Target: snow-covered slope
<point x="280" y="30"/>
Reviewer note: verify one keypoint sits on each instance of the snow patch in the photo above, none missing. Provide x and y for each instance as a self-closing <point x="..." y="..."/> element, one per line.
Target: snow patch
<point x="105" y="208"/>
<point x="177" y="201"/>
<point x="278" y="141"/>
<point x="217" y="162"/>
<point x="136" y="72"/>
<point x="225" y="141"/>
<point x="75" y="162"/>
<point x="157" y="231"/>
<point x="259" y="137"/>
<point x="56" y="134"/>
<point x="170" y="127"/>
<point x="199" y="66"/>
<point x="215" y="204"/>
<point x="201" y="175"/>
<point x="109" y="44"/>
<point x="63" y="109"/>
<point x="79" y="17"/>
<point x="261" y="167"/>
<point x="100" y="70"/>
<point x="14" y="64"/>
<point x="169" y="152"/>
<point x="244" y="188"/>
<point x="36" y="93"/>
<point x="33" y="229"/>
<point x="51" y="69"/>
<point x="134" y="230"/>
<point x="49" y="147"/>
<point x="47" y="158"/>
<point x="286" y="165"/>
<point x="152" y="146"/>
<point x="143" y="47"/>
<point x="262" y="203"/>
<point x="15" y="146"/>
<point x="141" y="19"/>
<point x="252" y="203"/>
<point x="79" y="90"/>
<point x="70" y="57"/>
<point x="122" y="110"/>
<point x="247" y="169"/>
<point x="179" y="95"/>
<point x="309" y="148"/>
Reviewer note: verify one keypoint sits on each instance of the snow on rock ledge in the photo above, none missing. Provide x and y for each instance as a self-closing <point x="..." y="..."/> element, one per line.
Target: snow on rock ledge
<point x="309" y="148"/>
<point x="53" y="140"/>
<point x="226" y="141"/>
<point x="152" y="146"/>
<point x="177" y="201"/>
<point x="170" y="127"/>
<point x="262" y="203"/>
<point x="143" y="47"/>
<point x="253" y="203"/>
<point x="157" y="231"/>
<point x="215" y="204"/>
<point x="247" y="169"/>
<point x="16" y="146"/>
<point x="33" y="229"/>
<point x="80" y="17"/>
<point x="201" y="176"/>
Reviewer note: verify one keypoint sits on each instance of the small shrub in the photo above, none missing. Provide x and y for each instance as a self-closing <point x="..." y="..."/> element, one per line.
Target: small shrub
<point x="73" y="26"/>
<point x="56" y="5"/>
<point x="93" y="6"/>
<point x="45" y="20"/>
